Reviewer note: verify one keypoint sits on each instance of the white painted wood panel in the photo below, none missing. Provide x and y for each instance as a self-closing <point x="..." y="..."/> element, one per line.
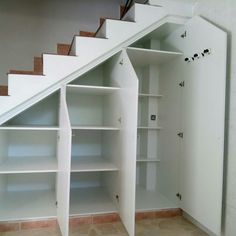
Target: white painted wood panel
<point x="203" y="120"/>
<point x="64" y="164"/>
<point x="123" y="75"/>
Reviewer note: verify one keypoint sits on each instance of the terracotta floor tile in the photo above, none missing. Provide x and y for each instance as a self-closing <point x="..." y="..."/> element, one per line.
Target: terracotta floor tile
<point x="176" y="226"/>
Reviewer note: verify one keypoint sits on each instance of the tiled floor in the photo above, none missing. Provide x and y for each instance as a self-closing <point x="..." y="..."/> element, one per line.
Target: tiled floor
<point x="176" y="226"/>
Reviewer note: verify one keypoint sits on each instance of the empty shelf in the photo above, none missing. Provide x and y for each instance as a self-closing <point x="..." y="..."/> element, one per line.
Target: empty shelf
<point x="91" y="164"/>
<point x="28" y="165"/>
<point x="27" y="205"/>
<point x="93" y="200"/>
<point x="139" y="56"/>
<point x="94" y="90"/>
<point x="81" y="127"/>
<point x="151" y="200"/>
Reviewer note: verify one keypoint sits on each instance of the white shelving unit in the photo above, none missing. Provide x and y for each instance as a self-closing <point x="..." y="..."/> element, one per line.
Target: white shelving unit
<point x="109" y="139"/>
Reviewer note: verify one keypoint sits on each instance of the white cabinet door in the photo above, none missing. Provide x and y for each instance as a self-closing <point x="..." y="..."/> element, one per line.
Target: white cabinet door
<point x="64" y="160"/>
<point x="203" y="115"/>
<point x="122" y="75"/>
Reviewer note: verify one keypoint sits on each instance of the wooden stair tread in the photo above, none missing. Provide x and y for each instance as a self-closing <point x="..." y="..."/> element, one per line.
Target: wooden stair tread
<point x="3" y="90"/>
<point x="63" y="49"/>
<point x="24" y="72"/>
<point x="87" y="34"/>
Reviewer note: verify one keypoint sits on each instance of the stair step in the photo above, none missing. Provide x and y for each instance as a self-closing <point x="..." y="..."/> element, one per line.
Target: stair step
<point x="24" y="72"/>
<point x="87" y="34"/>
<point x="38" y="65"/>
<point x="3" y="90"/>
<point x="63" y="49"/>
<point x="102" y="19"/>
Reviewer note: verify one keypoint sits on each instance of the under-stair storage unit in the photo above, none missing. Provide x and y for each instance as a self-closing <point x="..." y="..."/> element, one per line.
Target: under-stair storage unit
<point x="137" y="130"/>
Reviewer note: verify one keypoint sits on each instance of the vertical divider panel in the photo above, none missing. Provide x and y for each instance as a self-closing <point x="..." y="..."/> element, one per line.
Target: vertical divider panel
<point x="64" y="165"/>
<point x="122" y="74"/>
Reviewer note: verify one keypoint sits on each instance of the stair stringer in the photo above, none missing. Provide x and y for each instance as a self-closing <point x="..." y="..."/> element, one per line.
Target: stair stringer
<point x="42" y="86"/>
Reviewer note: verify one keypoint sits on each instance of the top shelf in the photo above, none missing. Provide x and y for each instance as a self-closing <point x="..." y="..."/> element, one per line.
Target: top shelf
<point x="49" y="128"/>
<point x="94" y="90"/>
<point x="140" y="56"/>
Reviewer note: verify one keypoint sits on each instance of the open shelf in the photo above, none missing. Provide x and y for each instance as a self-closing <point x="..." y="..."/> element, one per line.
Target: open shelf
<point x="94" y="90"/>
<point x="91" y="164"/>
<point x="26" y="205"/>
<point x="83" y="127"/>
<point x="151" y="200"/>
<point x="93" y="200"/>
<point x="147" y="95"/>
<point x="28" y="165"/>
<point x="27" y="196"/>
<point x="36" y="127"/>
<point x="43" y="114"/>
<point x="141" y="57"/>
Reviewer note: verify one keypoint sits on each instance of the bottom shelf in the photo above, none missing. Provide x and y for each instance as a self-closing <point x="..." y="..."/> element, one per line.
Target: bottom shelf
<point x="151" y="200"/>
<point x="27" y="205"/>
<point x="94" y="200"/>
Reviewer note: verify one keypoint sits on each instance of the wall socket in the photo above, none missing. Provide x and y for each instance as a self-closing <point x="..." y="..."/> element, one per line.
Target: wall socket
<point x="153" y="117"/>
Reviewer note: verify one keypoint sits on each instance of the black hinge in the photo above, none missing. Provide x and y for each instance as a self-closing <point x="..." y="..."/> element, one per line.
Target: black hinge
<point x="178" y="195"/>
<point x="181" y="135"/>
<point x="181" y="84"/>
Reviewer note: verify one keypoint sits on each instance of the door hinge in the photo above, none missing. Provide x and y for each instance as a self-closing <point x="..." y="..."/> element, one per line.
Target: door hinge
<point x="178" y="195"/>
<point x="181" y="84"/>
<point x="181" y="134"/>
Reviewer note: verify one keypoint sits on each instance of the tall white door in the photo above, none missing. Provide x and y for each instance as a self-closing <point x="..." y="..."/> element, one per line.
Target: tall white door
<point x="122" y="75"/>
<point x="64" y="160"/>
<point x="203" y="114"/>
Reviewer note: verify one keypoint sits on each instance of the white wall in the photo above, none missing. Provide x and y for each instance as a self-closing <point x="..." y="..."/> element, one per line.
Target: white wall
<point x="30" y="27"/>
<point x="223" y="14"/>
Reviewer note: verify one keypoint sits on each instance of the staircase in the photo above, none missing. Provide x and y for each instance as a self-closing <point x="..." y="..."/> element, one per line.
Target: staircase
<point x="52" y="71"/>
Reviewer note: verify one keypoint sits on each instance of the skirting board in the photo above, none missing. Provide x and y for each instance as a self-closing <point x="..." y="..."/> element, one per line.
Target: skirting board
<point x="83" y="220"/>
